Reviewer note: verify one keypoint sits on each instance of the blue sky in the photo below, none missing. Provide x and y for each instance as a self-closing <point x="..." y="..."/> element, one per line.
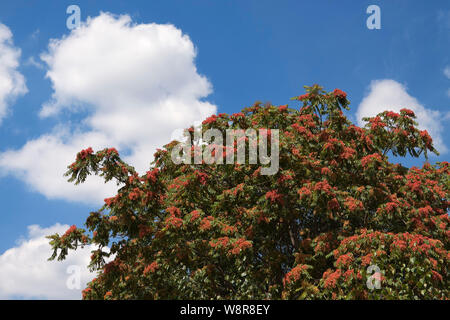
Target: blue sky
<point x="246" y="51"/>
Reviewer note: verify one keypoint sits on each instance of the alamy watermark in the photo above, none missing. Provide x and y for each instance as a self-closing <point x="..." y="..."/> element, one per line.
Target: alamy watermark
<point x="74" y="280"/>
<point x="374" y="281"/>
<point x="374" y="20"/>
<point x="236" y="140"/>
<point x="74" y="20"/>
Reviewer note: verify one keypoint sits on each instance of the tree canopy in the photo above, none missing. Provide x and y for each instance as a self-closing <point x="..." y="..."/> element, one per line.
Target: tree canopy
<point x="336" y="206"/>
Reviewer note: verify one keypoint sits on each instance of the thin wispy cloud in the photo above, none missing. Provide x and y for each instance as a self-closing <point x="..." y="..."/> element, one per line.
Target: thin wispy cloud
<point x="31" y="61"/>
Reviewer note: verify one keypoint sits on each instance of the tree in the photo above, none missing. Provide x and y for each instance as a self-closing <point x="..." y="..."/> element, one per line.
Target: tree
<point x="225" y="231"/>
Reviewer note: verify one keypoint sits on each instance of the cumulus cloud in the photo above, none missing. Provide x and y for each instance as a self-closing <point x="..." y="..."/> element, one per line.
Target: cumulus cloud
<point x="133" y="83"/>
<point x="42" y="162"/>
<point x="12" y="82"/>
<point x="391" y="95"/>
<point x="26" y="273"/>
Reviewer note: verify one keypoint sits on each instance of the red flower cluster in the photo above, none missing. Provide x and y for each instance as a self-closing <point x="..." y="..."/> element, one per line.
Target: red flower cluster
<point x="307" y="120"/>
<point x="285" y="177"/>
<point x="84" y="153"/>
<point x="392" y="114"/>
<point x="73" y="166"/>
<point x="110" y="201"/>
<point x="325" y="171"/>
<point x="239" y="245"/>
<point x="303" y="97"/>
<point x="135" y="194"/>
<point x="112" y="151"/>
<point x="391" y="206"/>
<point x="206" y="223"/>
<point x="408" y="112"/>
<point x="348" y="153"/>
<point x="348" y="274"/>
<point x="283" y="108"/>
<point x="131" y="179"/>
<point x="195" y="215"/>
<point x="376" y="123"/>
<point x="426" y="137"/>
<point x="436" y="276"/>
<point x="229" y="229"/>
<point x="152" y="175"/>
<point x="339" y="94"/>
<point x="300" y="129"/>
<point x="274" y="196"/>
<point x="344" y="260"/>
<point x="365" y="260"/>
<point x="425" y="211"/>
<point x="220" y="242"/>
<point x="352" y="204"/>
<point x="70" y="230"/>
<point x="174" y="211"/>
<point x="371" y="157"/>
<point x="211" y="119"/>
<point x="324" y="242"/>
<point x="202" y="177"/>
<point x="323" y="186"/>
<point x="173" y="221"/>
<point x="294" y="274"/>
<point x="304" y="192"/>
<point x="295" y="152"/>
<point x="151" y="268"/>
<point x="236" y="116"/>
<point x="85" y="292"/>
<point x="330" y="278"/>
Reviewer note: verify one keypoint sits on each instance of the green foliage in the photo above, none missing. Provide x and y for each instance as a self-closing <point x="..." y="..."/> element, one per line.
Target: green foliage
<point x="224" y="231"/>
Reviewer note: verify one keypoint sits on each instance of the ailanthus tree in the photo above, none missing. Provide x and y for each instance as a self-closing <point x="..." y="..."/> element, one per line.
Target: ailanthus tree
<point x="224" y="231"/>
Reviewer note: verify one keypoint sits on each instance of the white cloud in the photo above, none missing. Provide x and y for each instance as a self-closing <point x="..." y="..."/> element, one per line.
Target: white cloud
<point x="447" y="71"/>
<point x="41" y="163"/>
<point x="31" y="61"/>
<point x="12" y="83"/>
<point x="390" y="95"/>
<point x="26" y="273"/>
<point x="136" y="83"/>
